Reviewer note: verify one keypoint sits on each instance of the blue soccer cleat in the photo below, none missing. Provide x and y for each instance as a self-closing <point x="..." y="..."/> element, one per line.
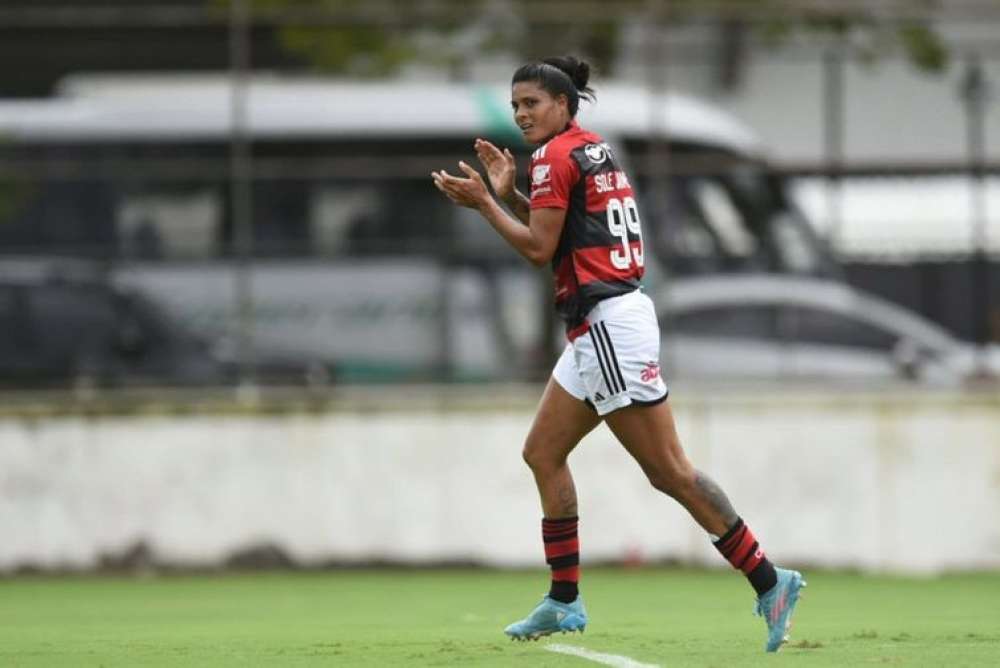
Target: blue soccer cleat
<point x="776" y="607"/>
<point x="549" y="617"/>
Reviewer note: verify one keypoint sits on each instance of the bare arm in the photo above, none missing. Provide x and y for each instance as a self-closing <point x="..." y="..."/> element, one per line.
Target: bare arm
<point x="536" y="240"/>
<point x="519" y="205"/>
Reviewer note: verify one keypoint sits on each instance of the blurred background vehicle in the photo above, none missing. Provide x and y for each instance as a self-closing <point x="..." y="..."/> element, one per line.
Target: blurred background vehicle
<point x="65" y="323"/>
<point x="805" y="329"/>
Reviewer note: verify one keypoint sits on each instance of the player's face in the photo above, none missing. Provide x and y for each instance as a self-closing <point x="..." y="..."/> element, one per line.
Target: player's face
<point x="539" y="115"/>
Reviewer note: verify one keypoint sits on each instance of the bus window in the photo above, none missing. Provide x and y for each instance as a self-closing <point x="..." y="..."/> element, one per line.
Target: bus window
<point x="41" y="215"/>
<point x="724" y="218"/>
<point x="180" y="224"/>
<point x="334" y="210"/>
<point x="690" y="240"/>
<point x="789" y="242"/>
<point x="281" y="225"/>
<point x="400" y="216"/>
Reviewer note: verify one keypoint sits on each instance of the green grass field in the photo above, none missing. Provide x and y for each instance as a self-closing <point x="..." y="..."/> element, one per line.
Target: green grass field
<point x="455" y="618"/>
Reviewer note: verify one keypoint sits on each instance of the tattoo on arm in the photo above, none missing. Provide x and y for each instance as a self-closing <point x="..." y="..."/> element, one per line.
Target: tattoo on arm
<point x="520" y="206"/>
<point x="712" y="493"/>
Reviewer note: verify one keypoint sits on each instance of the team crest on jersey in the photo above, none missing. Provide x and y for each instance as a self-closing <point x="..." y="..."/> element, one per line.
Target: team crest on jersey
<point x="596" y="153"/>
<point x="540" y="174"/>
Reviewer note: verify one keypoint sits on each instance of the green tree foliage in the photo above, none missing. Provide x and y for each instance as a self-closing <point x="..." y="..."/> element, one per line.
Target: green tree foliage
<point x="373" y="37"/>
<point x="351" y="47"/>
<point x="865" y="32"/>
<point x="369" y="37"/>
<point x="376" y="37"/>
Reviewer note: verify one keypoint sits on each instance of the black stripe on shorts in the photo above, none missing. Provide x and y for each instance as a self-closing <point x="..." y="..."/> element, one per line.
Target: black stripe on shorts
<point x="600" y="361"/>
<point x="613" y="356"/>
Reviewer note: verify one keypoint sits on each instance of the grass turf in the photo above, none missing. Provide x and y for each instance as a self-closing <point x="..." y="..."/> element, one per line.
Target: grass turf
<point x="455" y="618"/>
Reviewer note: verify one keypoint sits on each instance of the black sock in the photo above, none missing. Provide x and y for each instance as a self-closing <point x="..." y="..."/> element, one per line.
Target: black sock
<point x="563" y="591"/>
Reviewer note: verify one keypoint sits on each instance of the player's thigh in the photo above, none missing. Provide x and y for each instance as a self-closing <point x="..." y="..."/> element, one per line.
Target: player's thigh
<point x="560" y="423"/>
<point x="649" y="434"/>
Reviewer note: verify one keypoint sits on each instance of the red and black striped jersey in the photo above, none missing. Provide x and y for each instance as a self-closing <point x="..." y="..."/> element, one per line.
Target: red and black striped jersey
<point x="600" y="253"/>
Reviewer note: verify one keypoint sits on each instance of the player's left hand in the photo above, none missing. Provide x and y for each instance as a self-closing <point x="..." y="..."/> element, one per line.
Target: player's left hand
<point x="470" y="192"/>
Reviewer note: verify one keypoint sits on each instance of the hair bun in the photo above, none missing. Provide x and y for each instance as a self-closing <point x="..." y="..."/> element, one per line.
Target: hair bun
<point x="577" y="70"/>
<point x="580" y="74"/>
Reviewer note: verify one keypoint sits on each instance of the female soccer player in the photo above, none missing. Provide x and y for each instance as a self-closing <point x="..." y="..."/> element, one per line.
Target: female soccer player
<point x="581" y="216"/>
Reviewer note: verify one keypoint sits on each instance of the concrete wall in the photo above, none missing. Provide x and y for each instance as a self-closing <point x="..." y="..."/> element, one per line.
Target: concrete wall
<point x="887" y="481"/>
<point x="893" y="111"/>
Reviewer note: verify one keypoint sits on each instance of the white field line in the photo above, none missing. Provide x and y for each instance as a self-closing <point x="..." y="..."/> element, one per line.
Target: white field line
<point x="607" y="659"/>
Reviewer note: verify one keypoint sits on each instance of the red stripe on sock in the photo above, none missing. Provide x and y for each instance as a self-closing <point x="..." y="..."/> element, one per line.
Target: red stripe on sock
<point x="734" y="540"/>
<point x="742" y="550"/>
<point x="562" y="548"/>
<point x="571" y="574"/>
<point x="743" y="555"/>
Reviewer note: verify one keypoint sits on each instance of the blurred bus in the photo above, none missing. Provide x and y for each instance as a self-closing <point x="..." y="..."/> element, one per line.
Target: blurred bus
<point x="138" y="166"/>
<point x="350" y="237"/>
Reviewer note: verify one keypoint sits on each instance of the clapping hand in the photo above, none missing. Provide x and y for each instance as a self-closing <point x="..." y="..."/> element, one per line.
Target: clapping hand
<point x="469" y="192"/>
<point x="500" y="167"/>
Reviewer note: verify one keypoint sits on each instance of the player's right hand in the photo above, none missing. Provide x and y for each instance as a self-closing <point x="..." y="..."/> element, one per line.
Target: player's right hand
<point x="468" y="192"/>
<point x="500" y="167"/>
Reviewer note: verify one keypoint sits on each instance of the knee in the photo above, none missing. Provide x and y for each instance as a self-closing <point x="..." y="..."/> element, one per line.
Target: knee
<point x="678" y="482"/>
<point x="539" y="458"/>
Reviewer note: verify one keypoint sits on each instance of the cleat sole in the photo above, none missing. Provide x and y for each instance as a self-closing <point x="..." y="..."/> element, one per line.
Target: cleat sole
<point x="537" y="636"/>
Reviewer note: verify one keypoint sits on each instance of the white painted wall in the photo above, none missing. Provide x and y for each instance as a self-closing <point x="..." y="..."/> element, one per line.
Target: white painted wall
<point x="899" y="482"/>
<point x="893" y="111"/>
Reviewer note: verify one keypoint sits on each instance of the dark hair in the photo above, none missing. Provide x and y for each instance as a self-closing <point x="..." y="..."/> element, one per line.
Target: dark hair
<point x="561" y="75"/>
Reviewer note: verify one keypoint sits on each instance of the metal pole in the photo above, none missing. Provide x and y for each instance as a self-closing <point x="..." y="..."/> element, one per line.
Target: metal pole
<point x="240" y="185"/>
<point x="974" y="95"/>
<point x="833" y="133"/>
<point x="658" y="163"/>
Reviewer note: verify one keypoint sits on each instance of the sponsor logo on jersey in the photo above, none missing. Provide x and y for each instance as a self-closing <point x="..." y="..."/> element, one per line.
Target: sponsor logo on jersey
<point x="596" y="153"/>
<point x="650" y="372"/>
<point x="540" y="174"/>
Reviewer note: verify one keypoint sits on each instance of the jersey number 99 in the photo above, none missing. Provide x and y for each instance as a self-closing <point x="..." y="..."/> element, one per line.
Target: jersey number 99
<point x="623" y="217"/>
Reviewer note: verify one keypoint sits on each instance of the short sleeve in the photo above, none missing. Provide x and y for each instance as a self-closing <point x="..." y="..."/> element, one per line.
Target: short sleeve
<point x="552" y="179"/>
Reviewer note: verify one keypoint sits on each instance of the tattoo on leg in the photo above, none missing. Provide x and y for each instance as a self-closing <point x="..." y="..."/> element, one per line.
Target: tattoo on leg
<point x="712" y="493"/>
<point x="567" y="500"/>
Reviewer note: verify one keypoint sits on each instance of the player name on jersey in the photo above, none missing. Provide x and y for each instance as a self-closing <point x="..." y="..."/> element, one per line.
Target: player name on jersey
<point x="605" y="183"/>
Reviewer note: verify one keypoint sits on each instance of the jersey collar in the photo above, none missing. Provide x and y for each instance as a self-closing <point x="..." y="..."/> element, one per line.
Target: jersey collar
<point x="571" y="126"/>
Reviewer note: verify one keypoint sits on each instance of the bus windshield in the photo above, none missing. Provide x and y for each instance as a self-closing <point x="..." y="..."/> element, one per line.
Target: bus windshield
<point x="711" y="212"/>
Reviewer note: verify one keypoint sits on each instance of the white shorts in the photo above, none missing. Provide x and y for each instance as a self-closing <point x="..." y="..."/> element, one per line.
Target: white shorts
<point x="616" y="361"/>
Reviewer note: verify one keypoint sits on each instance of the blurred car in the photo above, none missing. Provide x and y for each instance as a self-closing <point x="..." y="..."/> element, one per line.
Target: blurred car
<point x="770" y="326"/>
<point x="62" y="323"/>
